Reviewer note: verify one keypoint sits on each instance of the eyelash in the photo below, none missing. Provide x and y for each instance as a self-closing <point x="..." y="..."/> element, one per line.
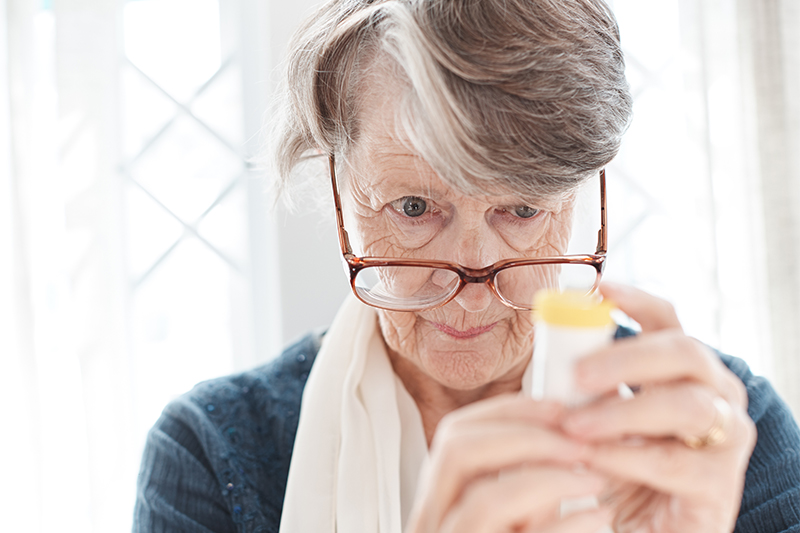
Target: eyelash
<point x="432" y="212"/>
<point x="518" y="219"/>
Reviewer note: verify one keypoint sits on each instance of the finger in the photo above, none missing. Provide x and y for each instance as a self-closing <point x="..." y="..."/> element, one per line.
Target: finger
<point x="584" y="522"/>
<point x="651" y="312"/>
<point x="523" y="498"/>
<point x="670" y="467"/>
<point x="657" y="357"/>
<point x="509" y="407"/>
<point x="463" y="451"/>
<point x="679" y="409"/>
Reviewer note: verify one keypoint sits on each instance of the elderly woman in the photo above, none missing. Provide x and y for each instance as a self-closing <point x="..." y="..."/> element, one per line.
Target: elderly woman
<point x="456" y="135"/>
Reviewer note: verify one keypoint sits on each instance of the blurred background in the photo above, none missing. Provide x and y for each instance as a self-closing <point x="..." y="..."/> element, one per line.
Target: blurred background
<point x="140" y="251"/>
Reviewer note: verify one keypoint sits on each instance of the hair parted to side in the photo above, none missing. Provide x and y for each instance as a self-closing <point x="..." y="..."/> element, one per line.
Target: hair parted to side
<point x="528" y="96"/>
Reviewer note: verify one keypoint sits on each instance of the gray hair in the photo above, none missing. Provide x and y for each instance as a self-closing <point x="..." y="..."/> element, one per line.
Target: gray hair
<point x="527" y="96"/>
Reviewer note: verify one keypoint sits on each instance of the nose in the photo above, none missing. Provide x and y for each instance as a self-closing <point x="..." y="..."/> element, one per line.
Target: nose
<point x="476" y="248"/>
<point x="474" y="297"/>
<point x="474" y="242"/>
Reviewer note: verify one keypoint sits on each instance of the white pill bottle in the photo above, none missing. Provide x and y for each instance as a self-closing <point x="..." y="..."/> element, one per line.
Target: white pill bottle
<point x="569" y="326"/>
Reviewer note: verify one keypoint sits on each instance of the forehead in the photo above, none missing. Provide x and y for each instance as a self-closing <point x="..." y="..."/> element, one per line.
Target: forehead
<point x="382" y="154"/>
<point x="386" y="171"/>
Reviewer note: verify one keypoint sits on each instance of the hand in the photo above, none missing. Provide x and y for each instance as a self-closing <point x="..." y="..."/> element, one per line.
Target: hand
<point x="502" y="465"/>
<point x="663" y="485"/>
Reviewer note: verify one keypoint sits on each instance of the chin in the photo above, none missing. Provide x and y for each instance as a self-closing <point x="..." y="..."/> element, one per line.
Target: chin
<point x="459" y="364"/>
<point x="461" y="369"/>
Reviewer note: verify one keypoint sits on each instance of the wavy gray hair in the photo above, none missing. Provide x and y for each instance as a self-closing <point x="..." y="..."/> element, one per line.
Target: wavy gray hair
<point x="527" y="96"/>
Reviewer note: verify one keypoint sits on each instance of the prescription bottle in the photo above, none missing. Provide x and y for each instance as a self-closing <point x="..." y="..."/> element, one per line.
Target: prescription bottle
<point x="568" y="326"/>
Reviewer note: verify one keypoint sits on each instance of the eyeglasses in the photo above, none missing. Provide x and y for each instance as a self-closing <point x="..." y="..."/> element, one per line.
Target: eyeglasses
<point x="416" y="285"/>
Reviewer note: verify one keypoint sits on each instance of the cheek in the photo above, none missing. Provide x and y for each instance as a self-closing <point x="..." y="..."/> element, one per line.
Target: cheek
<point x="522" y="329"/>
<point x="399" y="331"/>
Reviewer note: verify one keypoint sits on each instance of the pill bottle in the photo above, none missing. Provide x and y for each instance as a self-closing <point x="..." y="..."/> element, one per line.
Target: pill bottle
<point x="568" y="326"/>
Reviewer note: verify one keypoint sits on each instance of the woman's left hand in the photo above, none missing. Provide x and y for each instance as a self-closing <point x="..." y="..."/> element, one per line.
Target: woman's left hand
<point x="664" y="485"/>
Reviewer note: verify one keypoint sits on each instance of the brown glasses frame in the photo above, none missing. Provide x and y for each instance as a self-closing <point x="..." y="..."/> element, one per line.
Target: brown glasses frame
<point x="466" y="275"/>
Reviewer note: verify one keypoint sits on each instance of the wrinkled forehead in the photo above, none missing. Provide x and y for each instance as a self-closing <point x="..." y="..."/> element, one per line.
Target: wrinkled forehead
<point x="381" y="154"/>
<point x="387" y="170"/>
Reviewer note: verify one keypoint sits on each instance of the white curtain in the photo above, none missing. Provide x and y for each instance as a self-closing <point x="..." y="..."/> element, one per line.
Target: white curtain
<point x="704" y="204"/>
<point x="705" y="209"/>
<point x="65" y="376"/>
<point x="771" y="55"/>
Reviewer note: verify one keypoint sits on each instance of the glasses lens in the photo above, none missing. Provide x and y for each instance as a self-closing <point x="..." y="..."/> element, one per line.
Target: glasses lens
<point x="405" y="288"/>
<point x="519" y="284"/>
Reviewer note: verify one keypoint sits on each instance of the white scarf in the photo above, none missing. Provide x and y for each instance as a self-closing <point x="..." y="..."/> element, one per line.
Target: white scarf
<point x="360" y="442"/>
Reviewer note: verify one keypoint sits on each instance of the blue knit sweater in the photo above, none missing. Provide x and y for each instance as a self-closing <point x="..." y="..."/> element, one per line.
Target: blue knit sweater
<point x="218" y="458"/>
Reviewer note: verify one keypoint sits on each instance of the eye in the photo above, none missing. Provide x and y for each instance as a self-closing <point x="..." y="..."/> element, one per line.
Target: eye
<point x="411" y="206"/>
<point x="525" y="211"/>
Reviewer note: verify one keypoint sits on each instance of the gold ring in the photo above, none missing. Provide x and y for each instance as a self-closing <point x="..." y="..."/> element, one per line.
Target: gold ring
<point x="717" y="434"/>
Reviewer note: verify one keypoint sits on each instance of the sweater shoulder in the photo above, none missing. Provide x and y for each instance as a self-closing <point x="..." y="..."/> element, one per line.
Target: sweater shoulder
<point x="262" y="391"/>
<point x="238" y="432"/>
<point x="255" y="413"/>
<point x="771" y="499"/>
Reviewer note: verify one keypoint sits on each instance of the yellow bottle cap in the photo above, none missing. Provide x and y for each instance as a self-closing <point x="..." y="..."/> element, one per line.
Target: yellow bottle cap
<point x="572" y="308"/>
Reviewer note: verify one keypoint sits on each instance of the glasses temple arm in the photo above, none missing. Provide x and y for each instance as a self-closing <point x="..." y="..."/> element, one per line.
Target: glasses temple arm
<point x="344" y="239"/>
<point x="602" y="237"/>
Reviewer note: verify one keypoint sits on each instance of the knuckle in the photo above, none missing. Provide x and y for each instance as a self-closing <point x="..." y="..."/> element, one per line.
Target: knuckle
<point x="697" y="401"/>
<point x="445" y="428"/>
<point x="681" y="343"/>
<point x="698" y="355"/>
<point x="698" y="395"/>
<point x="450" y="427"/>
<point x="449" y="455"/>
<point x="473" y="508"/>
<point x="748" y="431"/>
<point x="666" y="308"/>
<point x="669" y="461"/>
<point x="477" y="496"/>
<point x="738" y="391"/>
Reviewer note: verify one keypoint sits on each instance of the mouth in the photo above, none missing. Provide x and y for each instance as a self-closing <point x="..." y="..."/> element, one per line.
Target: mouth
<point x="466" y="334"/>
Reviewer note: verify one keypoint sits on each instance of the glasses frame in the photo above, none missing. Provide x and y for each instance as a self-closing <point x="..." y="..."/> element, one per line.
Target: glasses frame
<point x="466" y="275"/>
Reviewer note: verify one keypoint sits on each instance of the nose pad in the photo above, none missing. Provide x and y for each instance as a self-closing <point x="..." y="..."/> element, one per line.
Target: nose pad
<point x="475" y="297"/>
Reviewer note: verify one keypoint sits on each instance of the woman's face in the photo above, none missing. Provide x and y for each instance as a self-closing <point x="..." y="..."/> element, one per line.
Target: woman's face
<point x="397" y="206"/>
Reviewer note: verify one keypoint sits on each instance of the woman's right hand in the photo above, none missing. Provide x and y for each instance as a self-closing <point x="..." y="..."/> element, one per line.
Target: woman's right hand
<point x="502" y="465"/>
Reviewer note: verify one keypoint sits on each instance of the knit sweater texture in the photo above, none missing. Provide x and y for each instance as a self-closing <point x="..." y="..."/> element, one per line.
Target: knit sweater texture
<point x="218" y="458"/>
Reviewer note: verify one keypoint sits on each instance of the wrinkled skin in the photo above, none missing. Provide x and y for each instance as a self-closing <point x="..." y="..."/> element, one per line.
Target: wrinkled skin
<point x="433" y="351"/>
<point x="500" y="462"/>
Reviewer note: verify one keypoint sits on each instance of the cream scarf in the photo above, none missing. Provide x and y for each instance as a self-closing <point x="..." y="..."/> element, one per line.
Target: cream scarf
<point x="360" y="442"/>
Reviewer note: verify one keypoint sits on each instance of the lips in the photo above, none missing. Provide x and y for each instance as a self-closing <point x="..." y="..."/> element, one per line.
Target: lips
<point x="466" y="334"/>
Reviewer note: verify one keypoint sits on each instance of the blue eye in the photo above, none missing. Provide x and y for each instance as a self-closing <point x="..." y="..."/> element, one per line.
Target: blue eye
<point x="414" y="206"/>
<point x="524" y="211"/>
